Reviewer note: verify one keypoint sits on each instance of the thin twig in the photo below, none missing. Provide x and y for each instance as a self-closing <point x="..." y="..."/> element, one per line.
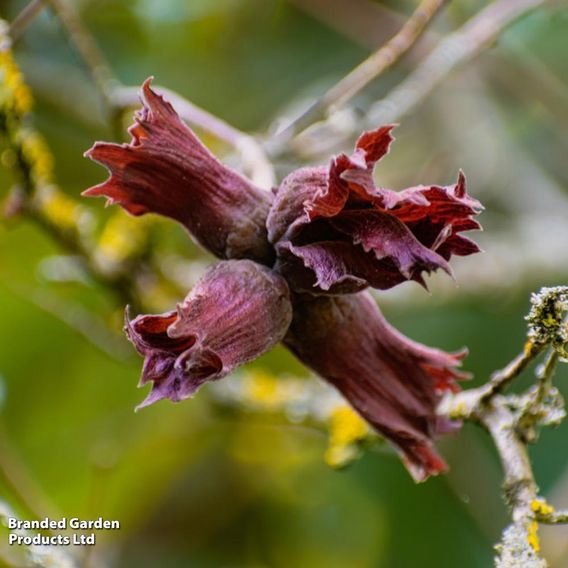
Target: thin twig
<point x="512" y="420"/>
<point x="454" y="50"/>
<point x="500" y="379"/>
<point x="87" y="49"/>
<point x="554" y="518"/>
<point x="465" y="405"/>
<point x="116" y="98"/>
<point x="25" y="18"/>
<point x="363" y="22"/>
<point x="545" y="377"/>
<point x="369" y="69"/>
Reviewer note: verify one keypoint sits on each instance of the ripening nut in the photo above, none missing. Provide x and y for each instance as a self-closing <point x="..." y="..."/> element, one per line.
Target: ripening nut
<point x="295" y="264"/>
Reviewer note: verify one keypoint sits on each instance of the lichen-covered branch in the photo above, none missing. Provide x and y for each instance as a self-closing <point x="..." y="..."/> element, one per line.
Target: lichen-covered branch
<point x="35" y="194"/>
<point x="513" y="422"/>
<point x="118" y="98"/>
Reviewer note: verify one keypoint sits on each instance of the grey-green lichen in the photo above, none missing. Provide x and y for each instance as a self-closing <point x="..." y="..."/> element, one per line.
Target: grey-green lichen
<point x="546" y="319"/>
<point x="519" y="548"/>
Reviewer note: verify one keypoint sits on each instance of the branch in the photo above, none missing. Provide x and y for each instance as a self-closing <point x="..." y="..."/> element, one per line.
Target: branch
<point x="511" y="421"/>
<point x="117" y="98"/>
<point x="87" y="49"/>
<point x="478" y="34"/>
<point x="369" y="69"/>
<point x="363" y="22"/>
<point x="553" y="518"/>
<point x="25" y="18"/>
<point x="36" y="195"/>
<point x="454" y="50"/>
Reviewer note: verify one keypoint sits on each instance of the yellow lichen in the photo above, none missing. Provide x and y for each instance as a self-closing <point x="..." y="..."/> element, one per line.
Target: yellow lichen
<point x="346" y="429"/>
<point x="541" y="507"/>
<point x="15" y="96"/>
<point x="459" y="411"/>
<point x="532" y="536"/>
<point x="15" y="102"/>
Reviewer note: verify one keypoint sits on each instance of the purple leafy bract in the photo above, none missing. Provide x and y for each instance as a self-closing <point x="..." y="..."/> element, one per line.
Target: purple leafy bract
<point x="165" y="169"/>
<point x="392" y="381"/>
<point x="236" y="312"/>
<point x="336" y="232"/>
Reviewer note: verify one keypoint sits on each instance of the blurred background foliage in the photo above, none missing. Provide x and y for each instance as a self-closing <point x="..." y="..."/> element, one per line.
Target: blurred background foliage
<point x="193" y="485"/>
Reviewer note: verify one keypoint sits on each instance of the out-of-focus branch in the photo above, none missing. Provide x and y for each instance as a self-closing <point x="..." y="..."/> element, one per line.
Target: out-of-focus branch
<point x="117" y="98"/>
<point x="87" y="49"/>
<point x="369" y="69"/>
<point x="35" y="194"/>
<point x="364" y="22"/>
<point x="454" y="50"/>
<point x="25" y="18"/>
<point x="512" y="421"/>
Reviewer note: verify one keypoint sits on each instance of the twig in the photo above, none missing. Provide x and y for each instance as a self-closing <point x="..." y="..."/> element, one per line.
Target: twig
<point x="116" y="98"/>
<point x="87" y="48"/>
<point x="545" y="376"/>
<point x="454" y="50"/>
<point x="500" y="379"/>
<point x="254" y="159"/>
<point x="554" y="518"/>
<point x="465" y="405"/>
<point x="369" y="69"/>
<point x="363" y="22"/>
<point x="25" y="18"/>
<point x="511" y="421"/>
<point x="519" y="484"/>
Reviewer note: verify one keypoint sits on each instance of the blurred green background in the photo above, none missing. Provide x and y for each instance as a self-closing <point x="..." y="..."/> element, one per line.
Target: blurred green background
<point x="195" y="487"/>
